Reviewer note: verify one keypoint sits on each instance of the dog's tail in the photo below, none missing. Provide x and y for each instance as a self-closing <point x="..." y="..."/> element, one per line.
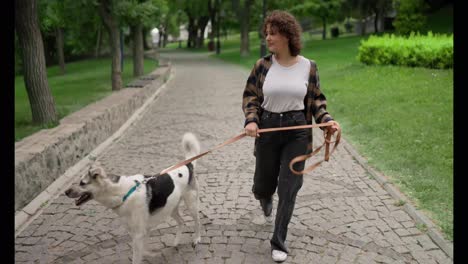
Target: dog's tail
<point x="191" y="146"/>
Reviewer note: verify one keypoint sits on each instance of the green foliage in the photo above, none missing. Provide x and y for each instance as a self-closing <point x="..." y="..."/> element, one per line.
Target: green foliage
<point x="134" y="12"/>
<point x="429" y="51"/>
<point x="53" y="14"/>
<point x="324" y="9"/>
<point x="410" y="16"/>
<point x="173" y="25"/>
<point x="359" y="8"/>
<point x="79" y="21"/>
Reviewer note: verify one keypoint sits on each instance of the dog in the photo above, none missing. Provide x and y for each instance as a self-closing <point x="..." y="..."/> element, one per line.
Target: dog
<point x="145" y="201"/>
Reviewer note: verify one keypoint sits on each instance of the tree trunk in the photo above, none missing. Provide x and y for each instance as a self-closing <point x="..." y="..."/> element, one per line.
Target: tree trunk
<point x="244" y="48"/>
<point x="376" y="20"/>
<point x="192" y="33"/>
<point x="137" y="33"/>
<point x="202" y="22"/>
<point x="244" y="17"/>
<point x="35" y="75"/>
<point x="161" y="33"/>
<point x="165" y="37"/>
<point x="114" y="38"/>
<point x="324" y="31"/>
<point x="97" y="51"/>
<point x="60" y="55"/>
<point x="214" y="24"/>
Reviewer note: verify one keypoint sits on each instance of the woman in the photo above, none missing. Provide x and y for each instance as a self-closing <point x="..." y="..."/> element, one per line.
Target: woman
<point x="282" y="90"/>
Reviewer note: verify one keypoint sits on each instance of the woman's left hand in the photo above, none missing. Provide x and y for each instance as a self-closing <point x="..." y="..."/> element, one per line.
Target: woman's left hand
<point x="334" y="127"/>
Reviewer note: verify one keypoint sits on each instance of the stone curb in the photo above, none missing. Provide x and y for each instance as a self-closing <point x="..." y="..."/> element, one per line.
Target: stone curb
<point x="420" y="218"/>
<point x="34" y="208"/>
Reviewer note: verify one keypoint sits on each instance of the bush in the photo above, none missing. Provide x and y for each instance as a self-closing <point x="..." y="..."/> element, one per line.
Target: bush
<point x="429" y="51"/>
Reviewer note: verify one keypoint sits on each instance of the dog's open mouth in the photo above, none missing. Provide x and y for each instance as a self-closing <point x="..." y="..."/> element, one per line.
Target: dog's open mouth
<point x="83" y="198"/>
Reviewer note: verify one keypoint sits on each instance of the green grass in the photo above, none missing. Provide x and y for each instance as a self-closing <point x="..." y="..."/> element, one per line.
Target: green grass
<point x="84" y="82"/>
<point x="400" y="119"/>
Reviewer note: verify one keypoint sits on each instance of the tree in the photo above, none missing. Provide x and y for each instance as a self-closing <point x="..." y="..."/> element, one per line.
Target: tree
<point x="35" y="75"/>
<point x="83" y="35"/>
<point x="380" y="7"/>
<point x="243" y="14"/>
<point x="53" y="19"/>
<point x="135" y="14"/>
<point x="169" y="22"/>
<point x="326" y="10"/>
<point x="106" y="11"/>
<point x="410" y="16"/>
<point x="364" y="8"/>
<point x="198" y="17"/>
<point x="213" y="10"/>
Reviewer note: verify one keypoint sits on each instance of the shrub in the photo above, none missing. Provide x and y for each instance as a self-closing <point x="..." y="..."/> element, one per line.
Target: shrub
<point x="429" y="51"/>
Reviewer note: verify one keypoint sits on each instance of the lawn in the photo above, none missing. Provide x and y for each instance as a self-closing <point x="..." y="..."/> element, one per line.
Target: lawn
<point x="400" y="119"/>
<point x="84" y="82"/>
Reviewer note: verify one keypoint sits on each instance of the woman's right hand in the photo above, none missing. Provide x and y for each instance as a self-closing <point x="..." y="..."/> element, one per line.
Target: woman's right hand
<point x="251" y="130"/>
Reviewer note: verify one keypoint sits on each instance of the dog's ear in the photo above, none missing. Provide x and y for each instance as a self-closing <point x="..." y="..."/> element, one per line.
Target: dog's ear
<point x="96" y="172"/>
<point x="101" y="172"/>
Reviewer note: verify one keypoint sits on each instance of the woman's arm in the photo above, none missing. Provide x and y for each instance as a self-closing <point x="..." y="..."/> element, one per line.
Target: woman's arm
<point x="319" y="102"/>
<point x="250" y="101"/>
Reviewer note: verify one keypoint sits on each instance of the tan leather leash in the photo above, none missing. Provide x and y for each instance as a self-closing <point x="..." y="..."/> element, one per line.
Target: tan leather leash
<point x="326" y="142"/>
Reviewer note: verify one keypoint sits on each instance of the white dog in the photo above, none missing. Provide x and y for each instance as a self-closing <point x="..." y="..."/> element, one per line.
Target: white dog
<point x="145" y="201"/>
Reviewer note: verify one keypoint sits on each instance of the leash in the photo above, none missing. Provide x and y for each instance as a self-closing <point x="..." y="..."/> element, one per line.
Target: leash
<point x="326" y="143"/>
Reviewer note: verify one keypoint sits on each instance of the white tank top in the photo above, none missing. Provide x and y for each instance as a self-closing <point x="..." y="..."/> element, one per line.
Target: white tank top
<point x="284" y="88"/>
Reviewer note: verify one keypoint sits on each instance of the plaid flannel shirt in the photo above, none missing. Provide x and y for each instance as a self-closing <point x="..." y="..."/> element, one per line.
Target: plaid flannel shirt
<point x="315" y="103"/>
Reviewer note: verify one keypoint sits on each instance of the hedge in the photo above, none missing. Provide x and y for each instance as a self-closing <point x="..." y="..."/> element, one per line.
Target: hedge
<point x="429" y="51"/>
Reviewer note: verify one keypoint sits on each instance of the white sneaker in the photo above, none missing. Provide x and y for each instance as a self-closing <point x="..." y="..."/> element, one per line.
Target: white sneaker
<point x="278" y="256"/>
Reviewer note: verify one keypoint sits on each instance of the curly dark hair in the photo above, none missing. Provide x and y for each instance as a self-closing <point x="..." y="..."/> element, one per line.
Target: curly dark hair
<point x="287" y="25"/>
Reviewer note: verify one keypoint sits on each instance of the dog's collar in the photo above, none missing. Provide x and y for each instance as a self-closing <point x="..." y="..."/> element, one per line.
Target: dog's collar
<point x="137" y="184"/>
<point x="134" y="188"/>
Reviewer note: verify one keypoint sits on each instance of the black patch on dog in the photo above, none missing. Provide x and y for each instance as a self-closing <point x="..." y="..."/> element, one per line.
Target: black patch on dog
<point x="114" y="178"/>
<point x="190" y="169"/>
<point x="158" y="189"/>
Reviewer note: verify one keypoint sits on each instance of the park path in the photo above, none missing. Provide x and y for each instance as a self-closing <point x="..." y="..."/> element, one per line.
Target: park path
<point x="342" y="214"/>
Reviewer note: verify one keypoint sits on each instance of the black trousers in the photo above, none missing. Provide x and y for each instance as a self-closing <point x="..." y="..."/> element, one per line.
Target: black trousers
<point x="274" y="151"/>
